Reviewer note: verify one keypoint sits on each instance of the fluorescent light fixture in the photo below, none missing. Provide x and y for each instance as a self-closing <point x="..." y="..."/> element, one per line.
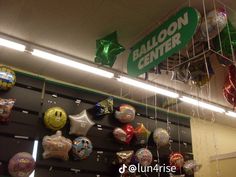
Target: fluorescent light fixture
<point x="71" y="63"/>
<point x="34" y="154"/>
<point x="35" y="149"/>
<point x="202" y="104"/>
<point x="231" y="114"/>
<point x="148" y="87"/>
<point x="12" y="45"/>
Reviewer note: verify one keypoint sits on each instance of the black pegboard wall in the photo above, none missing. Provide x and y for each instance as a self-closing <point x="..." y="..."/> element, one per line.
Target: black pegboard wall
<point x="27" y="121"/>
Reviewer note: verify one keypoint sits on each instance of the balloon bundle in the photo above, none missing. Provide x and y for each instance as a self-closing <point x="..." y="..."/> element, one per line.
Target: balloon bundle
<point x="229" y="89"/>
<point x="198" y="72"/>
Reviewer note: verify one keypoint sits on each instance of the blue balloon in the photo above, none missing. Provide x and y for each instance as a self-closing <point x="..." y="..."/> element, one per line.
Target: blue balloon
<point x="82" y="148"/>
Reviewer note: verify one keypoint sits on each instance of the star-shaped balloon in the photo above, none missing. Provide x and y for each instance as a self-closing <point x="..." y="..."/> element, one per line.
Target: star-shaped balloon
<point x="142" y="134"/>
<point x="104" y="107"/>
<point x="56" y="146"/>
<point x="80" y="123"/>
<point x="107" y="48"/>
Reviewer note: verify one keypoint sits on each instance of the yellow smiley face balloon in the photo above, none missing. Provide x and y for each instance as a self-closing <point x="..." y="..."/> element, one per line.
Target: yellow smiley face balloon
<point x="55" y="118"/>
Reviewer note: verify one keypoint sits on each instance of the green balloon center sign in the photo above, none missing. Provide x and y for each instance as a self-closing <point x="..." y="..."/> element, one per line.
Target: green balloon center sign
<point x="163" y="42"/>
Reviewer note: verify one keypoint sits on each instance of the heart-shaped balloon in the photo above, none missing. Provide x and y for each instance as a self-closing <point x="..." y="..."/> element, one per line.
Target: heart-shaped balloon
<point x="124" y="134"/>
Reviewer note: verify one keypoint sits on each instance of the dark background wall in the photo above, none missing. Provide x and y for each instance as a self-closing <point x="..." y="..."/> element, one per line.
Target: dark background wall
<point x="34" y="96"/>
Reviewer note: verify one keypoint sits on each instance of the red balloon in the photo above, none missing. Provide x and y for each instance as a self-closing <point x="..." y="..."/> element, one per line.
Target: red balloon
<point x="229" y="87"/>
<point x="232" y="75"/>
<point x="229" y="90"/>
<point x="230" y="98"/>
<point x="124" y="134"/>
<point x="177" y="160"/>
<point x="129" y="129"/>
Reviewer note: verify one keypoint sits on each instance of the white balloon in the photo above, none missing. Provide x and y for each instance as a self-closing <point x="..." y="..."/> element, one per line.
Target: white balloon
<point x="161" y="137"/>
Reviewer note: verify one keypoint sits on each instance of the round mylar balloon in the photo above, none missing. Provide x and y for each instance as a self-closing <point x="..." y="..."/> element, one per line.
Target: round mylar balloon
<point x="125" y="114"/>
<point x="82" y="148"/>
<point x="55" y="118"/>
<point x="161" y="137"/>
<point x="21" y="165"/>
<point x="7" y="78"/>
<point x="144" y="156"/>
<point x="191" y="166"/>
<point x="177" y="160"/>
<point x="216" y="21"/>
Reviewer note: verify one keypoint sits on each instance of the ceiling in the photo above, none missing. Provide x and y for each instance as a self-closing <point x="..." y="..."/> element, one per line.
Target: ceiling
<point x="72" y="26"/>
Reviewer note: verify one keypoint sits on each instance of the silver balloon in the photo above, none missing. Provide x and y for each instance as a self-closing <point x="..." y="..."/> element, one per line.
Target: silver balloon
<point x="144" y="156"/>
<point x="161" y="137"/>
<point x="216" y="21"/>
<point x="80" y="123"/>
<point x="191" y="166"/>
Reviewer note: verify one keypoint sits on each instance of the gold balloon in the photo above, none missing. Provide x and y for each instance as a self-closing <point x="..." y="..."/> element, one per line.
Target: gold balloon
<point x="56" y="146"/>
<point x="55" y="118"/>
<point x="142" y="134"/>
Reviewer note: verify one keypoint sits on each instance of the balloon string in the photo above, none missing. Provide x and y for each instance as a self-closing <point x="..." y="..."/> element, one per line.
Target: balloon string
<point x="158" y="161"/>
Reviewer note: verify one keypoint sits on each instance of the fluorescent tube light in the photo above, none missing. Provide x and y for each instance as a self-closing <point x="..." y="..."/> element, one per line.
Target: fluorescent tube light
<point x="231" y="114"/>
<point x="148" y="87"/>
<point x="202" y="104"/>
<point x="12" y="45"/>
<point x="35" y="149"/>
<point x="34" y="154"/>
<point x="71" y="63"/>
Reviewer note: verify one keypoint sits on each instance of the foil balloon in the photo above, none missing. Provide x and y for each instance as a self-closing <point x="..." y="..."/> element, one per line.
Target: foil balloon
<point x="55" y="118"/>
<point x="21" y="165"/>
<point x="107" y="48"/>
<point x="56" y="146"/>
<point x="181" y="73"/>
<point x="216" y="20"/>
<point x="201" y="72"/>
<point x="144" y="156"/>
<point x="232" y="75"/>
<point x="124" y="157"/>
<point x="82" y="148"/>
<point x="177" y="160"/>
<point x="7" y="78"/>
<point x="191" y="167"/>
<point x="124" y="134"/>
<point x="229" y="90"/>
<point x="142" y="134"/>
<point x="6" y="106"/>
<point x="125" y="113"/>
<point x="104" y="107"/>
<point x="230" y="98"/>
<point x="225" y="40"/>
<point x="80" y="123"/>
<point x="161" y="137"/>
